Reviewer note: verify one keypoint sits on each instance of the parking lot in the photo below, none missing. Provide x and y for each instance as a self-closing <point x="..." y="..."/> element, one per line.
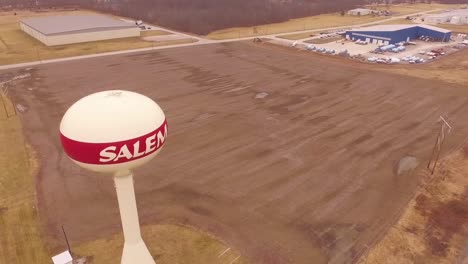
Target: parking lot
<point x="415" y="51"/>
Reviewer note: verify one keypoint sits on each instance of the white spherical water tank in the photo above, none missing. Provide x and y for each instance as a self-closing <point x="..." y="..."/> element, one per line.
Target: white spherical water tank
<point x="114" y="132"/>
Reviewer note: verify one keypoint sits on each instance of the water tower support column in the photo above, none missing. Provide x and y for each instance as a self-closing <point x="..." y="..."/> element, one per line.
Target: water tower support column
<point x="135" y="250"/>
<point x="96" y="139"/>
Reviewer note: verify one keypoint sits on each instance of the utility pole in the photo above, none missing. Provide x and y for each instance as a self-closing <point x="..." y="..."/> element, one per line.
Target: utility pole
<point x="445" y="128"/>
<point x="66" y="240"/>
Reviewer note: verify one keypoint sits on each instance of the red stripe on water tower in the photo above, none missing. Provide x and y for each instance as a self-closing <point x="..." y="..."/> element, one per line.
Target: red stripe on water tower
<point x="115" y="152"/>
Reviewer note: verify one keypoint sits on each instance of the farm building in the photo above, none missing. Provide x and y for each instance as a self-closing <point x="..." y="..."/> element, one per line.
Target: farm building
<point x="60" y="30"/>
<point x="457" y="17"/>
<point x="360" y="12"/>
<point x="390" y="34"/>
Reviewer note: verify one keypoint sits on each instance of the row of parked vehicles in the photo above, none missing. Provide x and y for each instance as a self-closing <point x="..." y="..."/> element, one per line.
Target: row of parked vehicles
<point x="361" y="42"/>
<point x="331" y="34"/>
<point x="427" y="39"/>
<point x="433" y="53"/>
<point x="319" y="49"/>
<point x="392" y="60"/>
<point x="413" y="59"/>
<point x="387" y="60"/>
<point x="392" y="48"/>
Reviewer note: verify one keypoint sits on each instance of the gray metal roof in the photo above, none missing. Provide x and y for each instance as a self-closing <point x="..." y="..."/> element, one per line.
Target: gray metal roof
<point x="56" y="25"/>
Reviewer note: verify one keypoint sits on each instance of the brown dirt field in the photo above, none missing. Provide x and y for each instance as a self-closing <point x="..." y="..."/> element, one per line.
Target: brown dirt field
<point x="21" y="240"/>
<point x="306" y="173"/>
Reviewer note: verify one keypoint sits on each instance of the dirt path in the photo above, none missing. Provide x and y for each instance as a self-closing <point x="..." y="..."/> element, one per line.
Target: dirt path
<point x="304" y="172"/>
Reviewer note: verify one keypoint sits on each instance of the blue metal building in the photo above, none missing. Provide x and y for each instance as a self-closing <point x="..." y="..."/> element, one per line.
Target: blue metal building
<point x="391" y="34"/>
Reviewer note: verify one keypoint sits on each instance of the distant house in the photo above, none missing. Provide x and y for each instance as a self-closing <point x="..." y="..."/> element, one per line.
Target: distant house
<point x="360" y="12"/>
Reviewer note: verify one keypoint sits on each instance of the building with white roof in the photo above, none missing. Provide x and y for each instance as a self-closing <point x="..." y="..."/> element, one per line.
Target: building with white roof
<point x="457" y="17"/>
<point x="390" y="34"/>
<point x="60" y="30"/>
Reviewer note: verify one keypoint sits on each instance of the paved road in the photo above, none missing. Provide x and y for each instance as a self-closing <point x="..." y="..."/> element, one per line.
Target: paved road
<point x="201" y="41"/>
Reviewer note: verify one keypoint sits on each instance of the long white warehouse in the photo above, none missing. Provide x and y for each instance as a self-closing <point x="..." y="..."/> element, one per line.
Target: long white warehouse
<point x="60" y="30"/>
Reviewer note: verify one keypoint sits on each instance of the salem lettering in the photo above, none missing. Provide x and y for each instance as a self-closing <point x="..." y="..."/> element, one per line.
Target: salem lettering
<point x="115" y="152"/>
<point x="142" y="147"/>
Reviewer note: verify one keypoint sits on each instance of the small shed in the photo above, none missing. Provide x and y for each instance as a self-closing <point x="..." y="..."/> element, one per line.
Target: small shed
<point x="63" y="258"/>
<point x="359" y="12"/>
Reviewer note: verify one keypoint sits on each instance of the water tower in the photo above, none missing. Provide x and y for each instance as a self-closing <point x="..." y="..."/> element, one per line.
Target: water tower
<point x="114" y="132"/>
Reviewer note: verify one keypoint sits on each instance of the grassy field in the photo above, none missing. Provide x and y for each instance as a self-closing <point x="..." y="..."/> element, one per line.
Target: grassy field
<point x="405" y="9"/>
<point x="312" y="22"/>
<point x="20" y="236"/>
<point x="149" y="33"/>
<point x="16" y="46"/>
<point x="325" y="40"/>
<point x="397" y="21"/>
<point x="168" y="243"/>
<point x="432" y="228"/>
<point x="308" y="34"/>
<point x="298" y="36"/>
<point x="320" y="21"/>
<point x="20" y="239"/>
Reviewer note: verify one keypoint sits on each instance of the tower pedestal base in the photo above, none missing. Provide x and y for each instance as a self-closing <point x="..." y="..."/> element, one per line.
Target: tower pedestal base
<point x="135" y="250"/>
<point x="136" y="254"/>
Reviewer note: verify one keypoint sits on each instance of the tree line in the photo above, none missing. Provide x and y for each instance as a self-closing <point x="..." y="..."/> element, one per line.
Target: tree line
<point x="204" y="16"/>
<point x="201" y="16"/>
